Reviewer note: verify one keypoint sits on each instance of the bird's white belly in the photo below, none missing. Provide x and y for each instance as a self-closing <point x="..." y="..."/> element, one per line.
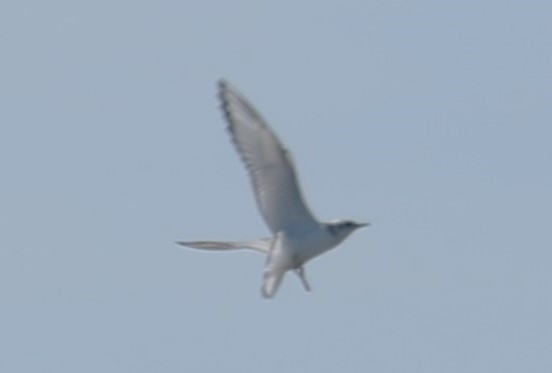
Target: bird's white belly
<point x="304" y="247"/>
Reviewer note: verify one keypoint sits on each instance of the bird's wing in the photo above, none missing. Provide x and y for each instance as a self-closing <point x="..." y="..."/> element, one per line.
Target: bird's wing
<point x="269" y="165"/>
<point x="262" y="245"/>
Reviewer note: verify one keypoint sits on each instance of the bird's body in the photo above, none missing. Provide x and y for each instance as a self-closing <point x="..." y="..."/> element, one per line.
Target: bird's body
<point x="297" y="235"/>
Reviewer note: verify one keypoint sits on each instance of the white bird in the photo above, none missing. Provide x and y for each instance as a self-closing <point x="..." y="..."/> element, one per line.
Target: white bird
<point x="297" y="236"/>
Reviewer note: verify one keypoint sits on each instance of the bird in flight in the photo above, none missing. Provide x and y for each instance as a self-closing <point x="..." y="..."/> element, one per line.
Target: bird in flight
<point x="297" y="236"/>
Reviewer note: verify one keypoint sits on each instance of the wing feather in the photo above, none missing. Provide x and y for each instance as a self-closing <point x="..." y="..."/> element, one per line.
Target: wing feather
<point x="269" y="164"/>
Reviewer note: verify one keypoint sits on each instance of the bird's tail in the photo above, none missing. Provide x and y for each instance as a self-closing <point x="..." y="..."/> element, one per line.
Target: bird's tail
<point x="262" y="245"/>
<point x="277" y="263"/>
<point x="272" y="280"/>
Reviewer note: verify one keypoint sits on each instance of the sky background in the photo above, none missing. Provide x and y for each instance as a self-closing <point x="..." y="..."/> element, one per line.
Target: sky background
<point x="429" y="119"/>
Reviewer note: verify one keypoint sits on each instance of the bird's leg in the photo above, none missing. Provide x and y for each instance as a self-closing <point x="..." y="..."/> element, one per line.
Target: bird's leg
<point x="300" y="271"/>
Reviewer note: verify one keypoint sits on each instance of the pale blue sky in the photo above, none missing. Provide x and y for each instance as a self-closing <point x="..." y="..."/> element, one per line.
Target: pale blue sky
<point x="430" y="119"/>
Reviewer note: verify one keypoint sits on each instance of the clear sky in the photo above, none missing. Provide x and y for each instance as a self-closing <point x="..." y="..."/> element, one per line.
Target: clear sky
<point x="430" y="119"/>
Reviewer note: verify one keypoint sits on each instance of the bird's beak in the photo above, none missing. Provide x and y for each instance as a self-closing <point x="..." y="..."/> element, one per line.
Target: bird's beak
<point x="361" y="225"/>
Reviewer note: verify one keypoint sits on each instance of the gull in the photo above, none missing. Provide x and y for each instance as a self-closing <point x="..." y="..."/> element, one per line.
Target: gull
<point x="297" y="236"/>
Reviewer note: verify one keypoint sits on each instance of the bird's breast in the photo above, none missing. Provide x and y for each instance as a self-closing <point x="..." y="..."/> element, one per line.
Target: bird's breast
<point x="304" y="247"/>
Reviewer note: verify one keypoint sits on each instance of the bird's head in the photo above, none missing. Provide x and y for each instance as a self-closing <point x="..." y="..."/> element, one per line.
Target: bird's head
<point x="343" y="228"/>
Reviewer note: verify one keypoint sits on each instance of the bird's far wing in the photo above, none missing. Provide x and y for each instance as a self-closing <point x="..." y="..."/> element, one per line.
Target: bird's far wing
<point x="262" y="245"/>
<point x="269" y="165"/>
